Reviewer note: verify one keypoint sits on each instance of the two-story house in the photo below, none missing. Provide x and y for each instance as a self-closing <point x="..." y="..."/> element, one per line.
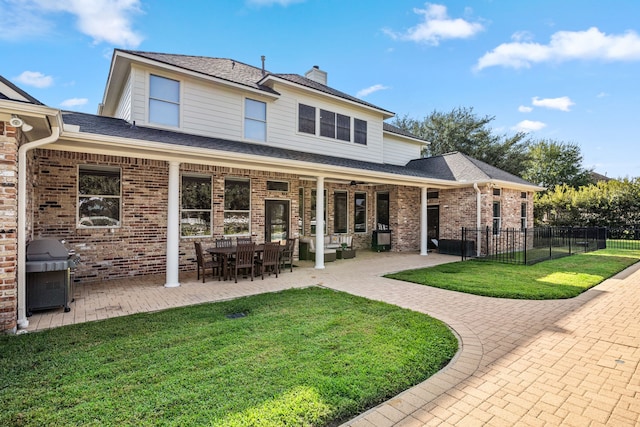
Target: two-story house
<point x="187" y="147"/>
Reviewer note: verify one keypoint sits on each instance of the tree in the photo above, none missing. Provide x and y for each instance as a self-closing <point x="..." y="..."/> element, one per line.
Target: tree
<point x="554" y="163"/>
<point x="462" y="130"/>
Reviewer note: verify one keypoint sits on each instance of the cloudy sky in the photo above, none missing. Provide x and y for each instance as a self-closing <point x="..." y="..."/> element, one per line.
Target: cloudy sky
<point x="563" y="70"/>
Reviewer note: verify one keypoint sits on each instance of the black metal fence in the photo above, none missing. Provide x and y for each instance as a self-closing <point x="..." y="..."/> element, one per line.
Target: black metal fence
<point x="532" y="245"/>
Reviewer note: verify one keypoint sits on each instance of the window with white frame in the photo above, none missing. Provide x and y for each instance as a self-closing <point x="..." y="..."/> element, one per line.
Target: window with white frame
<point x="334" y="125"/>
<point x="523" y="215"/>
<point x="237" y="206"/>
<point x="360" y="131"/>
<point x="360" y="212"/>
<point x="164" y="101"/>
<point x="306" y="119"/>
<point x="99" y="196"/>
<point x="255" y="120"/>
<point x="196" y="208"/>
<point x="340" y="214"/>
<point x="496" y="218"/>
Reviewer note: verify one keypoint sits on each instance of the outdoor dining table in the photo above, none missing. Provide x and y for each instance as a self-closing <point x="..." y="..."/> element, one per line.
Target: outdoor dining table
<point x="226" y="252"/>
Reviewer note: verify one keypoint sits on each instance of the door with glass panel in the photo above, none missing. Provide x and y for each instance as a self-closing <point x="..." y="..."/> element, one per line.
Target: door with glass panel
<point x="276" y="220"/>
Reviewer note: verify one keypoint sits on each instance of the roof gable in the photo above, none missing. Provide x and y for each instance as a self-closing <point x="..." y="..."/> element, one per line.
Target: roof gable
<point x="11" y="92"/>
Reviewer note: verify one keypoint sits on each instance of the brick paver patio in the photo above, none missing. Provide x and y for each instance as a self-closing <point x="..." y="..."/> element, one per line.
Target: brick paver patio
<point x="569" y="362"/>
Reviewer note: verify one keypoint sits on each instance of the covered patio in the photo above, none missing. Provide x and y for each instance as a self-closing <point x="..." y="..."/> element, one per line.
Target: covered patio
<point x="140" y="294"/>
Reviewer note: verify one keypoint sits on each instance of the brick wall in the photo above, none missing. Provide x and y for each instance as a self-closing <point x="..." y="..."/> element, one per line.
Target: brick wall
<point x="8" y="227"/>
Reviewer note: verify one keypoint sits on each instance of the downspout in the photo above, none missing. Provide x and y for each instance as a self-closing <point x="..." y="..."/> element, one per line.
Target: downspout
<point x="22" y="219"/>
<point x="478" y="214"/>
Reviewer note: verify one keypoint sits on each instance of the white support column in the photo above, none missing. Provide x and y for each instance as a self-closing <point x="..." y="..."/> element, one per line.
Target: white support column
<point x="423" y="222"/>
<point x="320" y="223"/>
<point x="173" y="226"/>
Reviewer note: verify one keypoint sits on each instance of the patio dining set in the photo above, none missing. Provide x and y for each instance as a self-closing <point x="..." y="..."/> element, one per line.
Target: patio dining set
<point x="228" y="259"/>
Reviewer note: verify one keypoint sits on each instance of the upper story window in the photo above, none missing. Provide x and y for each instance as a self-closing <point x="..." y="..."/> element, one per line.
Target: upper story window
<point x="99" y="196"/>
<point x="332" y="125"/>
<point x="255" y="120"/>
<point x="360" y="131"/>
<point x="164" y="101"/>
<point x="197" y="212"/>
<point x="306" y="119"/>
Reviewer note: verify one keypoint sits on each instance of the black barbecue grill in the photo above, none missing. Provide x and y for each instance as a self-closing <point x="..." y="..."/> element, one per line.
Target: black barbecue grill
<point x="48" y="271"/>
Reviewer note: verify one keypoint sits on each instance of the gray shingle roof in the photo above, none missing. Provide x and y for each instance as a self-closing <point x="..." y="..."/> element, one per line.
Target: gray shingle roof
<point x="120" y="128"/>
<point x="462" y="168"/>
<point x="26" y="97"/>
<point x="240" y="73"/>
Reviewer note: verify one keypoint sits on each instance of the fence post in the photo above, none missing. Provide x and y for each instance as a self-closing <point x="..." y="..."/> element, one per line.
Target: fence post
<point x="525" y="246"/>
<point x="462" y="244"/>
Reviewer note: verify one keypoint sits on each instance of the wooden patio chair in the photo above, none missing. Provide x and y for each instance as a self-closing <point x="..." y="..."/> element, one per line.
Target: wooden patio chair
<point x="286" y="256"/>
<point x="203" y="264"/>
<point x="243" y="240"/>
<point x="270" y="260"/>
<point x="244" y="260"/>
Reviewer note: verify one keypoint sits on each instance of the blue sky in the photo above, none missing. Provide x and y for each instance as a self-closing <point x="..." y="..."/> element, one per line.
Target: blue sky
<point x="564" y="70"/>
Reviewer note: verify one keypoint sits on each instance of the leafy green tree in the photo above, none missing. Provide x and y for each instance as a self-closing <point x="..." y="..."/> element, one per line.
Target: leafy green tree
<point x="464" y="131"/>
<point x="552" y="163"/>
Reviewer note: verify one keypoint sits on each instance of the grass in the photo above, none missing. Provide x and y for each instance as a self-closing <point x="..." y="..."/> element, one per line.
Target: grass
<point x="559" y="278"/>
<point x="307" y="357"/>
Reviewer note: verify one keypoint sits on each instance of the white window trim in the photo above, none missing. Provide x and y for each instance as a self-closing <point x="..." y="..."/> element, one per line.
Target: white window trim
<point x="148" y="99"/>
<point x="78" y="195"/>
<point x="211" y="221"/>
<point x="224" y="210"/>
<point x="265" y="121"/>
<point x="366" y="212"/>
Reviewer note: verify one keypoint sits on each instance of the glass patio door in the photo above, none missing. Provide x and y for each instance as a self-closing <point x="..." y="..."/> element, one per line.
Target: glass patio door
<point x="276" y="220"/>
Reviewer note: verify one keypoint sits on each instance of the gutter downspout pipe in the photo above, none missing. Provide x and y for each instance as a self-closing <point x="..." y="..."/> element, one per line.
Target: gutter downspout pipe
<point x="22" y="219"/>
<point x="478" y="214"/>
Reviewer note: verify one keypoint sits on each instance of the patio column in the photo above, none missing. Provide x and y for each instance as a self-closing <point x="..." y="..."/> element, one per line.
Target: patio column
<point x="423" y="222"/>
<point x="320" y="223"/>
<point x="173" y="226"/>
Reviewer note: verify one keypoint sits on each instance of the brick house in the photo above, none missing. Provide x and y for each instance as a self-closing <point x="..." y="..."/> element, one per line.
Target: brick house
<point x="190" y="148"/>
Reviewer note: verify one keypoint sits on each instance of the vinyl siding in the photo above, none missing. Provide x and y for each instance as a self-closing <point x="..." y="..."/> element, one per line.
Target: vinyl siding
<point x="124" y="105"/>
<point x="398" y="152"/>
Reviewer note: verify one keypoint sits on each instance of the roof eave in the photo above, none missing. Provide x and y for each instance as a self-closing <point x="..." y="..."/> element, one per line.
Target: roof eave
<point x="272" y="78"/>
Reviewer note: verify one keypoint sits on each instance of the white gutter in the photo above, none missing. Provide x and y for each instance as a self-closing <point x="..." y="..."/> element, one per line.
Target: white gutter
<point x="478" y="213"/>
<point x="22" y="219"/>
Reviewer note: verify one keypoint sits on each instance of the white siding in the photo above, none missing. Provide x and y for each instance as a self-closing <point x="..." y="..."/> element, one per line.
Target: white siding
<point x="399" y="152"/>
<point x="124" y="103"/>
<point x="210" y="109"/>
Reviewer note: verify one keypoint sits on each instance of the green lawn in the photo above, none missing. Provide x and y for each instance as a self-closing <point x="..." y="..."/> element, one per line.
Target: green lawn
<point x="307" y="357"/>
<point x="554" y="279"/>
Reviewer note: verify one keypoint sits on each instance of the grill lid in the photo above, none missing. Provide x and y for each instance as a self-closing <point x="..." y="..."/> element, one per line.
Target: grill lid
<point x="46" y="250"/>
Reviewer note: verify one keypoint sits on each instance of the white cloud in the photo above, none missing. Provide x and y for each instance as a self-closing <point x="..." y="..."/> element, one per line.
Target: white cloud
<point x="591" y="44"/>
<point x="437" y="26"/>
<point x="563" y="103"/>
<point x="103" y="20"/>
<point x="525" y="109"/>
<point x="369" y="90"/>
<point x="35" y="79"/>
<point x="529" y="126"/>
<point x="74" y="102"/>
<point x="602" y="95"/>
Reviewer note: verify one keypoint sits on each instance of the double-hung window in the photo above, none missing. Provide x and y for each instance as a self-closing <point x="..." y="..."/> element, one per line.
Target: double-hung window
<point x="99" y="196"/>
<point x="360" y="213"/>
<point x="196" y="206"/>
<point x="334" y="125"/>
<point x="306" y="119"/>
<point x="164" y="101"/>
<point x="360" y="131"/>
<point x="496" y="218"/>
<point x="255" y="120"/>
<point x="237" y="206"/>
<point x="340" y="222"/>
<point x="523" y="215"/>
<point x="314" y="194"/>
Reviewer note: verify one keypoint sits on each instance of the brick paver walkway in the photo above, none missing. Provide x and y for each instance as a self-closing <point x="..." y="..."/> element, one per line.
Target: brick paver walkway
<point x="567" y="362"/>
